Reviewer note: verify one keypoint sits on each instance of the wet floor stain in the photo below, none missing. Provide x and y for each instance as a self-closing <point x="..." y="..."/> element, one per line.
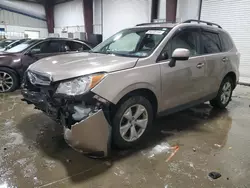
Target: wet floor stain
<point x="33" y="152"/>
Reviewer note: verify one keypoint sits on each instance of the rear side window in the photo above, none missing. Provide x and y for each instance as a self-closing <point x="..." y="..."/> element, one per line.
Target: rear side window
<point x="227" y="43"/>
<point x="211" y="42"/>
<point x="75" y="46"/>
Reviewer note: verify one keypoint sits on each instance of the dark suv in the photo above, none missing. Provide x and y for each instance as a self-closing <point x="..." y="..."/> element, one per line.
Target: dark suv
<point x="15" y="61"/>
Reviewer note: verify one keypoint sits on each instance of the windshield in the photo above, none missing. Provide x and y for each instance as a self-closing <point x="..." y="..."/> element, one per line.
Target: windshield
<point x="21" y="47"/>
<point x="5" y="43"/>
<point x="135" y="42"/>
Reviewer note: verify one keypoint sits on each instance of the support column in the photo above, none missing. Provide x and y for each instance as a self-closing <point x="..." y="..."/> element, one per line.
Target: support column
<point x="88" y="16"/>
<point x="49" y="10"/>
<point x="171" y="10"/>
<point x="154" y="10"/>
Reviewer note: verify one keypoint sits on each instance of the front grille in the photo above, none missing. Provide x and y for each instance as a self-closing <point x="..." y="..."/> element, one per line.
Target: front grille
<point x="39" y="78"/>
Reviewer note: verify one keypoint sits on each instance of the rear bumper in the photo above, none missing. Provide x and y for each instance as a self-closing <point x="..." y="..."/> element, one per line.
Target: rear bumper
<point x="90" y="136"/>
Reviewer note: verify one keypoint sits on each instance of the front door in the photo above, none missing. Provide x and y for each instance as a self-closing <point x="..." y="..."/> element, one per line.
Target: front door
<point x="183" y="83"/>
<point x="42" y="50"/>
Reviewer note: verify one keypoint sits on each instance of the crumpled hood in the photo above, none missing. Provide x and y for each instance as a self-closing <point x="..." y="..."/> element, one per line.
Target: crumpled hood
<point x="67" y="66"/>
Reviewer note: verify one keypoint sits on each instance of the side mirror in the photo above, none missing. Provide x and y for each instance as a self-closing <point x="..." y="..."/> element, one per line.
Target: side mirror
<point x="179" y="54"/>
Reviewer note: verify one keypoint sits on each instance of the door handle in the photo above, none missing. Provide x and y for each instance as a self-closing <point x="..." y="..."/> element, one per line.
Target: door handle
<point x="200" y="65"/>
<point x="224" y="59"/>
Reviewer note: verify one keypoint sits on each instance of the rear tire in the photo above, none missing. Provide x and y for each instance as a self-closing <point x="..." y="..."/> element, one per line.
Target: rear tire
<point x="8" y="80"/>
<point x="132" y="122"/>
<point x="224" y="95"/>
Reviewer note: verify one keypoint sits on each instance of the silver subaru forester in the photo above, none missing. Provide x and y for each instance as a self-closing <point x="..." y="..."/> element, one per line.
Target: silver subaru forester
<point x="112" y="93"/>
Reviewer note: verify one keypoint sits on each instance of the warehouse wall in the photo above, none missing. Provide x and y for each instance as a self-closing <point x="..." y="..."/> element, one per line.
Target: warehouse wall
<point x="69" y="16"/>
<point x="16" y="24"/>
<point x="187" y="9"/>
<point x="162" y="9"/>
<point x="97" y="16"/>
<point x="120" y="14"/>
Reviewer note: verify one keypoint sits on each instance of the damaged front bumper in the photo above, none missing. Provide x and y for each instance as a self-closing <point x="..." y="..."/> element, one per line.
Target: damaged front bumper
<point x="85" y="120"/>
<point x="90" y="136"/>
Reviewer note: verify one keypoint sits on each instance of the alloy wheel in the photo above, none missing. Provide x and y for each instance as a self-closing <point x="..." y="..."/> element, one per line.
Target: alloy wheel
<point x="226" y="92"/>
<point x="133" y="122"/>
<point x="6" y="82"/>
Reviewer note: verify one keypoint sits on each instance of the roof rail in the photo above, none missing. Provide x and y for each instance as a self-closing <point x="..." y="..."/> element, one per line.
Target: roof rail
<point x="154" y="23"/>
<point x="200" y="21"/>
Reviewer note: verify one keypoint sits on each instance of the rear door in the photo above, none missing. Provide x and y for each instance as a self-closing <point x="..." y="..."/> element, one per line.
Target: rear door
<point x="215" y="59"/>
<point x="183" y="83"/>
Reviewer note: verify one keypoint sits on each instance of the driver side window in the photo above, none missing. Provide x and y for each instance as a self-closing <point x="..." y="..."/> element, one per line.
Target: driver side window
<point x="184" y="39"/>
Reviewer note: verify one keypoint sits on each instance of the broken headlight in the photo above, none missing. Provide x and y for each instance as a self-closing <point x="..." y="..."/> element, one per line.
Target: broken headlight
<point x="80" y="85"/>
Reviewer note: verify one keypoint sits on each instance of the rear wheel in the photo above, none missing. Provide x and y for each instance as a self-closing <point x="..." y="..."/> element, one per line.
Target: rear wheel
<point x="132" y="122"/>
<point x="224" y="95"/>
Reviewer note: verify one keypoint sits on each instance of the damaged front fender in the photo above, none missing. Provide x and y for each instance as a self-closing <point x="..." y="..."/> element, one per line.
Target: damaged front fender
<point x="90" y="136"/>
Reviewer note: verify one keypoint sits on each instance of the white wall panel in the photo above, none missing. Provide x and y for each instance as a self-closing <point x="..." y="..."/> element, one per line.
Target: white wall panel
<point x="18" y="31"/>
<point x="187" y="9"/>
<point x="70" y="16"/>
<point x="120" y="14"/>
<point x="162" y="9"/>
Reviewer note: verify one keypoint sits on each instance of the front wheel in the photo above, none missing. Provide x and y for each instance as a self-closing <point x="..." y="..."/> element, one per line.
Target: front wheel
<point x="8" y="80"/>
<point x="132" y="122"/>
<point x="224" y="95"/>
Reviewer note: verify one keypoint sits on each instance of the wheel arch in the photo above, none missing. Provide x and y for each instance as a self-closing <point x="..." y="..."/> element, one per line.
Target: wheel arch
<point x="144" y="92"/>
<point x="11" y="69"/>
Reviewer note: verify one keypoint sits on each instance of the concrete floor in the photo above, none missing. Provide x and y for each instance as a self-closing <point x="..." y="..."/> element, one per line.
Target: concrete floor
<point x="34" y="154"/>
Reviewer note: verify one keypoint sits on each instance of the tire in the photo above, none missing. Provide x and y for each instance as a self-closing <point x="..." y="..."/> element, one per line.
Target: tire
<point x="219" y="101"/>
<point x="8" y="80"/>
<point x="123" y="119"/>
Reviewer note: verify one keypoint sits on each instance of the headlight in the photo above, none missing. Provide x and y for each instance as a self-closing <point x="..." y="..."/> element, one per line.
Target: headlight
<point x="80" y="85"/>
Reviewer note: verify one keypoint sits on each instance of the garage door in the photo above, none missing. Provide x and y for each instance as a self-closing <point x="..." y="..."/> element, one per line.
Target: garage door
<point x="233" y="16"/>
<point x="120" y="14"/>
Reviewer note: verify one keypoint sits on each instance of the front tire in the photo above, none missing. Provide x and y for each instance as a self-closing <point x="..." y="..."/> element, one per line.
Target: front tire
<point x="224" y="95"/>
<point x="8" y="80"/>
<point x="132" y="122"/>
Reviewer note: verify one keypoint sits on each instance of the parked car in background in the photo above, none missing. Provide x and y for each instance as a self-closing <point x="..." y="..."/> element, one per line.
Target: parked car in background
<point x="4" y="43"/>
<point x="113" y="92"/>
<point x="13" y="44"/>
<point x="15" y="61"/>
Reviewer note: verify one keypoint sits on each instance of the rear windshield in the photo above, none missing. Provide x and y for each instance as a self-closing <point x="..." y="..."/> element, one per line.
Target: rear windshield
<point x="22" y="46"/>
<point x="134" y="42"/>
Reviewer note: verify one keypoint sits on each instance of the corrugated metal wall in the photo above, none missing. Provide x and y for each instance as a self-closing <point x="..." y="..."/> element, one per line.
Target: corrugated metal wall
<point x="11" y="18"/>
<point x="16" y="24"/>
<point x="233" y="16"/>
